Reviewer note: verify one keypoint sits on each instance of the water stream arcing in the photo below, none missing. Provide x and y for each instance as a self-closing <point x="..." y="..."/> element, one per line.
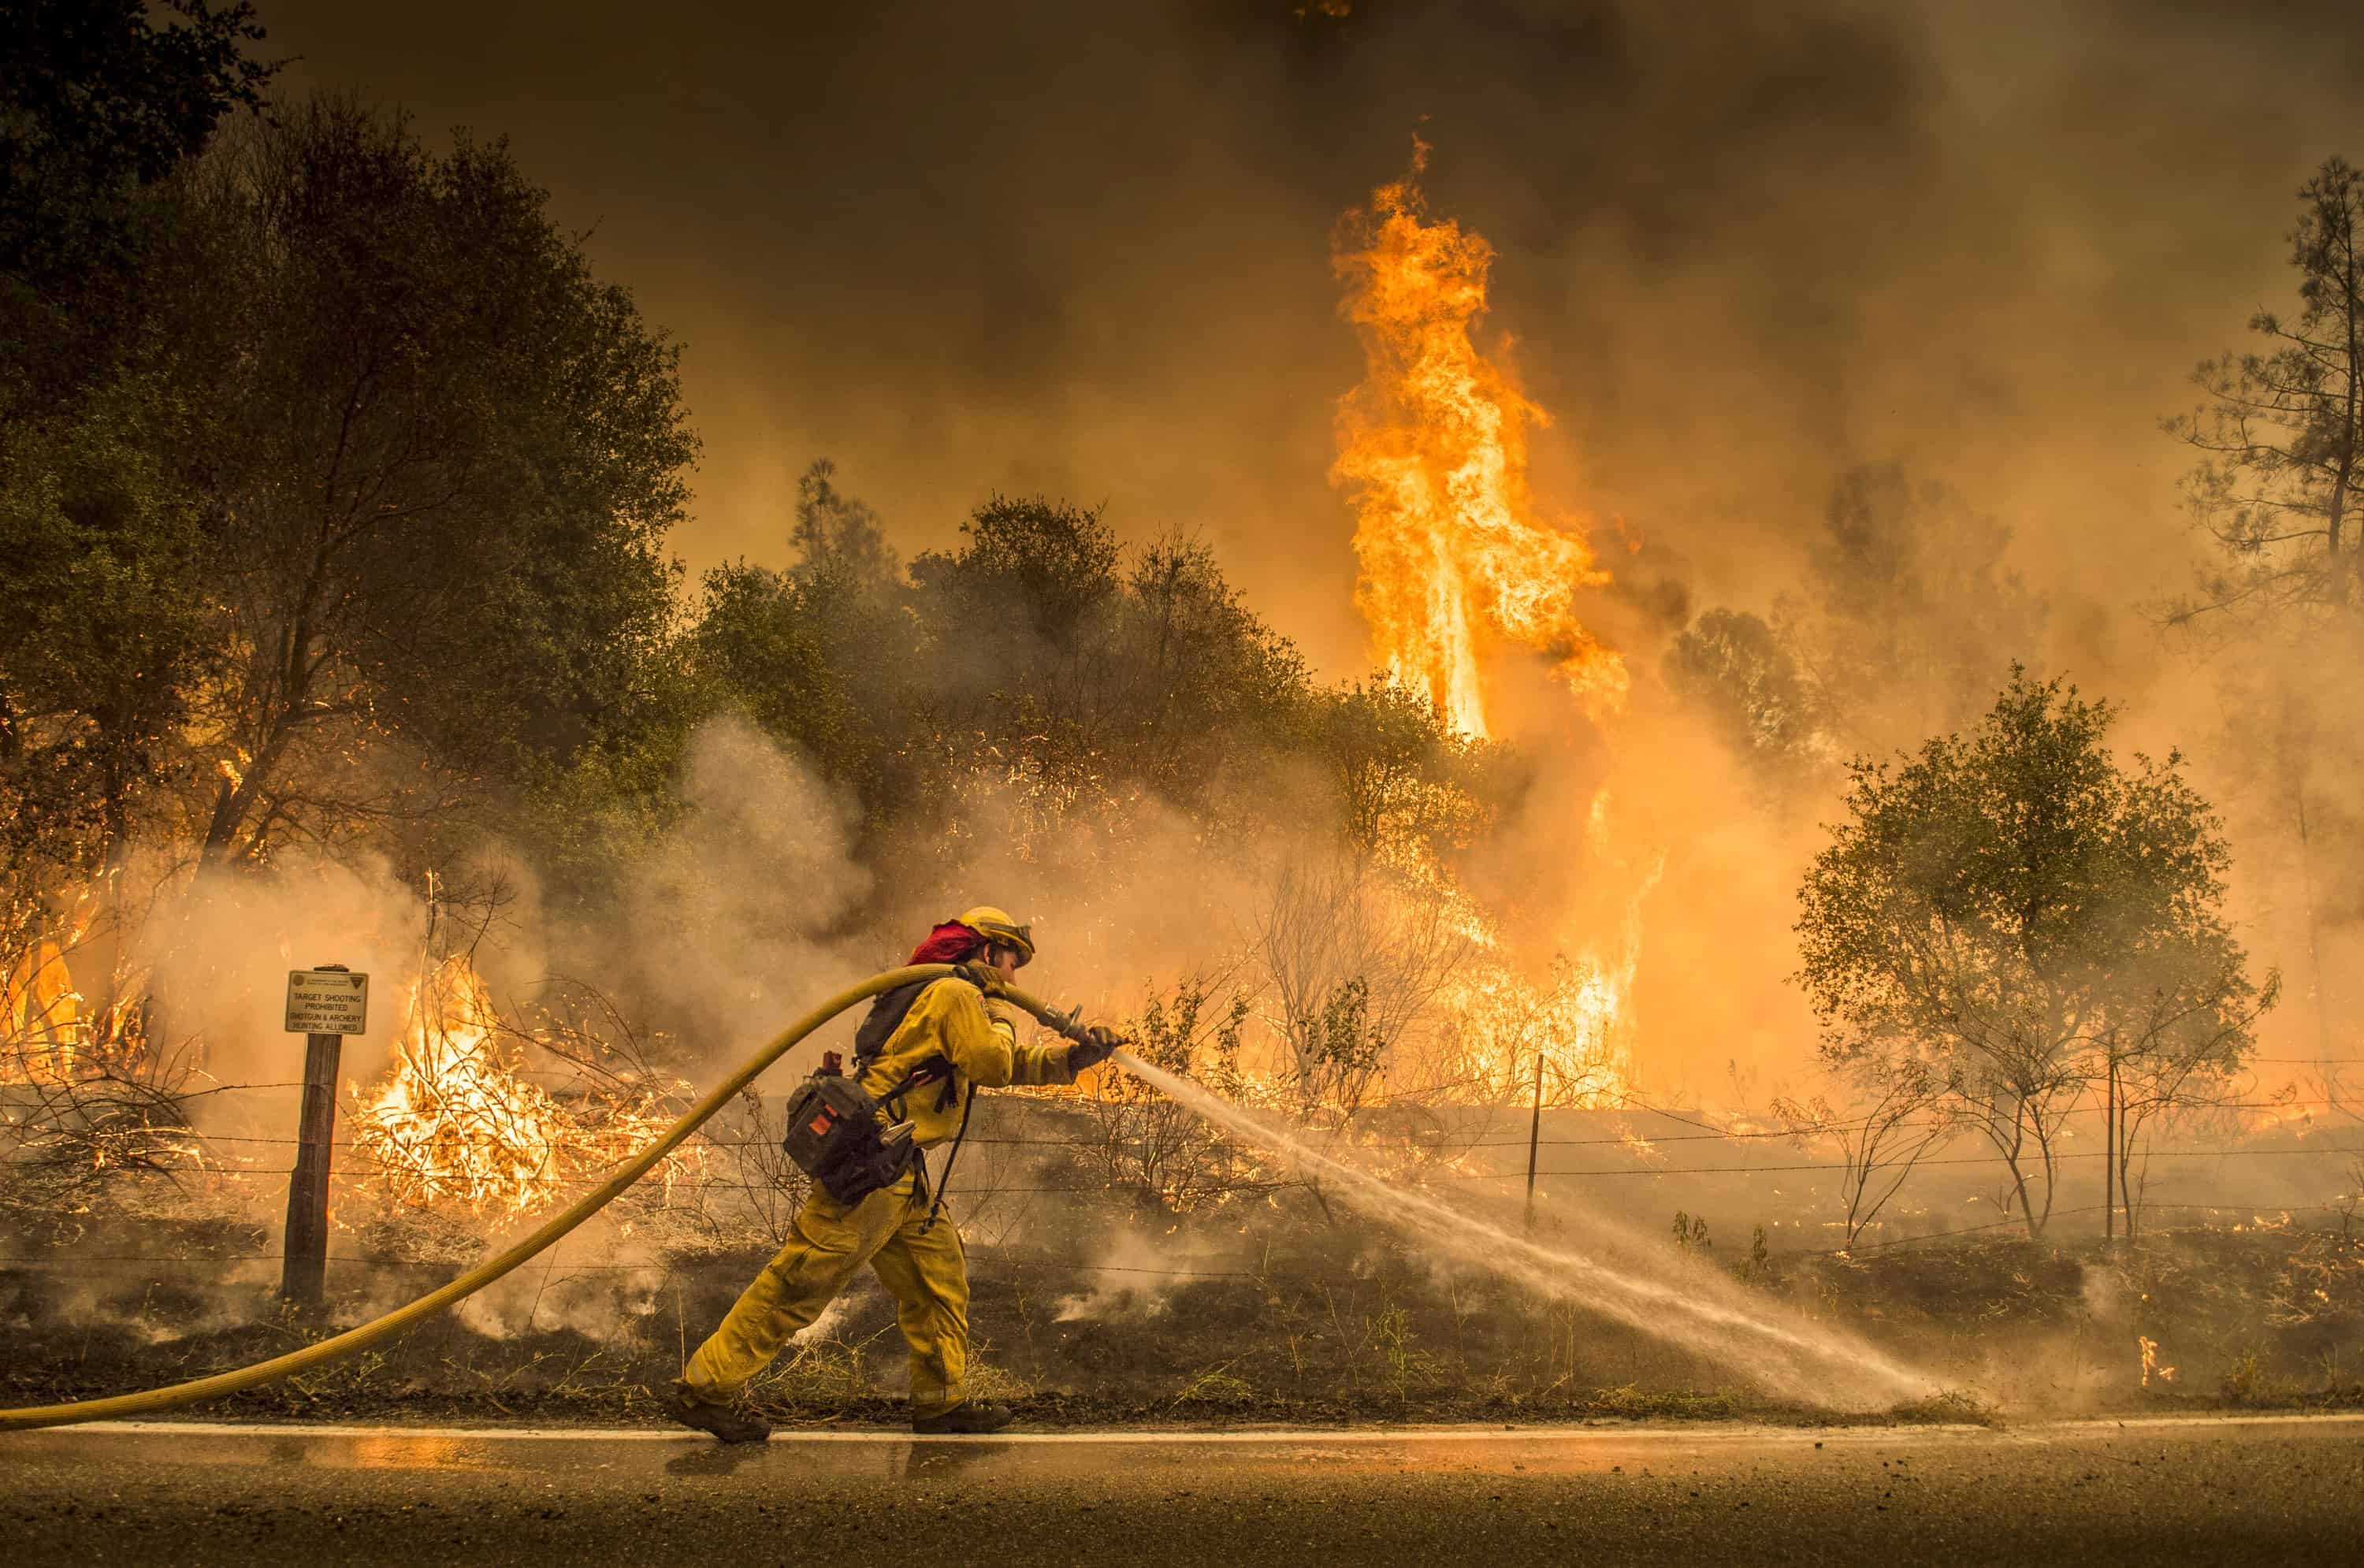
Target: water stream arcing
<point x="1686" y="1304"/>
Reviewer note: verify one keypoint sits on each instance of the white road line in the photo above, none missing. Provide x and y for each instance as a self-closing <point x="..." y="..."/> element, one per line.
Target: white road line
<point x="1697" y="1434"/>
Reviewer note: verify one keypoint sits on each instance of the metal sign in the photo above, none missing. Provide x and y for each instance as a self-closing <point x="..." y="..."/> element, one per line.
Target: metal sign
<point x="327" y="1001"/>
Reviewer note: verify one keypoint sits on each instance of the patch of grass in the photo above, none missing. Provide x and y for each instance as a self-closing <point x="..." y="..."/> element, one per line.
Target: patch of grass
<point x="1335" y="1327"/>
<point x="2246" y="1381"/>
<point x="831" y="1369"/>
<point x="1216" y="1387"/>
<point x="1392" y="1333"/>
<point x="997" y="1384"/>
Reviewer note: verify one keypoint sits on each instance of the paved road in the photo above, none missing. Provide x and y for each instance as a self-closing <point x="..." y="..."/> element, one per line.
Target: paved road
<point x="2249" y="1490"/>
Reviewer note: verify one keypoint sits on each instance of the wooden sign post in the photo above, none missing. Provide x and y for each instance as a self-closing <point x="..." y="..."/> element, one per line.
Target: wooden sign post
<point x="324" y="1004"/>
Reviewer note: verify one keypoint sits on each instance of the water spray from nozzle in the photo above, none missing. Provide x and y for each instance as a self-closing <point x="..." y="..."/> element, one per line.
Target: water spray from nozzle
<point x="1681" y="1307"/>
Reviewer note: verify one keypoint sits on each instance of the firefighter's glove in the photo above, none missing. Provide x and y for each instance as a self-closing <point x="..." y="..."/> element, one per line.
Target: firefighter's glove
<point x="983" y="977"/>
<point x="1097" y="1044"/>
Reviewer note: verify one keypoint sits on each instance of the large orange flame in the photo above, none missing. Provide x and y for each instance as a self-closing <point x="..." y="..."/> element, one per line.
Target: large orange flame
<point x="1432" y="447"/>
<point x="1454" y="568"/>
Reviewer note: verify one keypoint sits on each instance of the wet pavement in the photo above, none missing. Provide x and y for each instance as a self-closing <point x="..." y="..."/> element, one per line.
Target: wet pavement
<point x="2254" y="1491"/>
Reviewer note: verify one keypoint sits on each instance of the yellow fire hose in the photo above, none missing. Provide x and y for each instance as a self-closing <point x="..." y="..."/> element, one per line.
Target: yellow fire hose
<point x="201" y="1389"/>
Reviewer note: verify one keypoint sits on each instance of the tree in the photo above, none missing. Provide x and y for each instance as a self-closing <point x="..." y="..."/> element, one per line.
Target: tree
<point x="2176" y="1043"/>
<point x="445" y="459"/>
<point x="1170" y="1159"/>
<point x="1209" y="683"/>
<point x="105" y="630"/>
<point x="98" y="106"/>
<point x="96" y="103"/>
<point x="1909" y="615"/>
<point x="1403" y="779"/>
<point x="2014" y="910"/>
<point x="1029" y="570"/>
<point x="1091" y="669"/>
<point x="1746" y="677"/>
<point x="837" y="537"/>
<point x="1016" y="618"/>
<point x="1352" y="955"/>
<point x="2282" y="429"/>
<point x="103" y="103"/>
<point x="1903" y="1119"/>
<point x="760" y="643"/>
<point x="826" y="655"/>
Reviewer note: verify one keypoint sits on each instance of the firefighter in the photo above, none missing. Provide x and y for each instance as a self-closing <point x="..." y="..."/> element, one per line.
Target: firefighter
<point x="944" y="1040"/>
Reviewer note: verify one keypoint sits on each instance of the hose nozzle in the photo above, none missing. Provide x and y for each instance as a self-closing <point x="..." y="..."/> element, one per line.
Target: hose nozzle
<point x="1069" y="1024"/>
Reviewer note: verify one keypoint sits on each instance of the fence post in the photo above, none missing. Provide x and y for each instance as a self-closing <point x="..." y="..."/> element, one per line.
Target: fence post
<point x="304" y="1255"/>
<point x="1535" y="1135"/>
<point x="306" y="1263"/>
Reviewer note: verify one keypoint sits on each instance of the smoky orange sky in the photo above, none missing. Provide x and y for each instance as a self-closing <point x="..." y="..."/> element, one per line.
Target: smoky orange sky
<point x="1085" y="250"/>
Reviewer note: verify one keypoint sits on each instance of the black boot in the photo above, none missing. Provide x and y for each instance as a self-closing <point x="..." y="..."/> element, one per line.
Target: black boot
<point x="732" y="1426"/>
<point x="963" y="1417"/>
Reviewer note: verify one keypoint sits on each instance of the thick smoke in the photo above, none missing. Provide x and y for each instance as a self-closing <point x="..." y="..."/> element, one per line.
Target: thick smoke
<point x="1741" y="251"/>
<point x="223" y="949"/>
<point x="1083" y="250"/>
<point x="724" y="927"/>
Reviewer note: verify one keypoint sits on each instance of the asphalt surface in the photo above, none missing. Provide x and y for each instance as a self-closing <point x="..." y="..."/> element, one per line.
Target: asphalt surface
<point x="2250" y="1491"/>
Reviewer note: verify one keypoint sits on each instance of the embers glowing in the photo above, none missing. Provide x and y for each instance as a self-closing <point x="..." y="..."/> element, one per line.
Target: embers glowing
<point x="1432" y="446"/>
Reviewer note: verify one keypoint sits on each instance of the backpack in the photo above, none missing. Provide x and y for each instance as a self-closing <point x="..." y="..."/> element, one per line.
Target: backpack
<point x="834" y="1133"/>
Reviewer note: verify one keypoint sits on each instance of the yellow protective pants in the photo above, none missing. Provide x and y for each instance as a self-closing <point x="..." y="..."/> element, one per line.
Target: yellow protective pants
<point x="926" y="1272"/>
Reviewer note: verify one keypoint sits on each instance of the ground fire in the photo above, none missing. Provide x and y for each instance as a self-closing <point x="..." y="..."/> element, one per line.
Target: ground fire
<point x="456" y="1121"/>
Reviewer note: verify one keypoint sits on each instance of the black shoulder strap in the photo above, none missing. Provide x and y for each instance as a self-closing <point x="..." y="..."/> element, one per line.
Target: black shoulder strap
<point x="886" y="1014"/>
<point x="928" y="1071"/>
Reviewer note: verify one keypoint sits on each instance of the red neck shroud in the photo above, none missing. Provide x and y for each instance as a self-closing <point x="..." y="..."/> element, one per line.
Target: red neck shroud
<point x="950" y="942"/>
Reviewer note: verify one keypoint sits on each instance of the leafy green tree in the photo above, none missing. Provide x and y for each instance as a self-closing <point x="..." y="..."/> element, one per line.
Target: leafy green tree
<point x="1053" y="654"/>
<point x="759" y="645"/>
<point x="1402" y="775"/>
<point x="826" y="656"/>
<point x="1205" y="687"/>
<point x="1029" y="571"/>
<point x="445" y="458"/>
<point x="105" y="633"/>
<point x="2015" y="912"/>
<point x="98" y="103"/>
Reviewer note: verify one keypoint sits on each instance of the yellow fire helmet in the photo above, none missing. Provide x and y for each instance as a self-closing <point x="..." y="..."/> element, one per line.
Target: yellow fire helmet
<point x="994" y="925"/>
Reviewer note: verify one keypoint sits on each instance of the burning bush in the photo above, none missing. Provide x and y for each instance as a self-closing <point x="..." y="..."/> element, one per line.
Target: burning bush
<point x="457" y="1122"/>
<point x="85" y="1095"/>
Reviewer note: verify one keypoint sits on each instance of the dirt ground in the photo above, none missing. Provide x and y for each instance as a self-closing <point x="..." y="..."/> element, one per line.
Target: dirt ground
<point x="1335" y="1325"/>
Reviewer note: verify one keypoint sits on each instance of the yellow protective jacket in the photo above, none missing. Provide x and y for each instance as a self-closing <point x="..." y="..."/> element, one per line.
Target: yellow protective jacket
<point x="951" y="1025"/>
